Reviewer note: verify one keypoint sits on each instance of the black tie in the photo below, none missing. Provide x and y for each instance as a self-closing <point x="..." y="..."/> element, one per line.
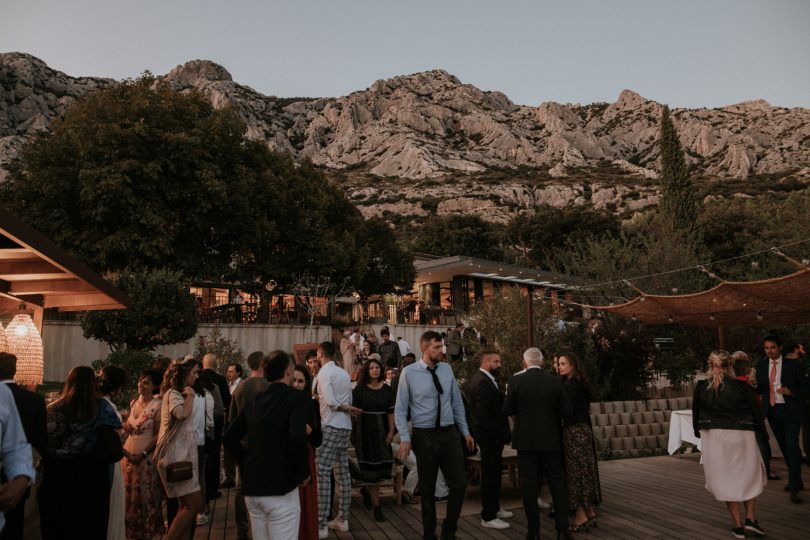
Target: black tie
<point x="437" y="383"/>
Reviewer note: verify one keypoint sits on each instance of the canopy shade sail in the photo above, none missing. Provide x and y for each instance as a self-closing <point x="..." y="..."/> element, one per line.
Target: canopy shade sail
<point x="36" y="271"/>
<point x="770" y="302"/>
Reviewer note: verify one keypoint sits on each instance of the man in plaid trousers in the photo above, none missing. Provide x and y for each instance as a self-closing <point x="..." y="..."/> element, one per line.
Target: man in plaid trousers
<point x="334" y="389"/>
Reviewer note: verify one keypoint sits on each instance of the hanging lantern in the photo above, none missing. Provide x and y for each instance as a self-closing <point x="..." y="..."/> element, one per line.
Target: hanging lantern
<point x="3" y="340"/>
<point x="25" y="343"/>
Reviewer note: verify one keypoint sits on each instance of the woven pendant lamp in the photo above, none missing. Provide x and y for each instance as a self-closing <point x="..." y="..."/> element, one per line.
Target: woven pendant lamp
<point x="25" y="343"/>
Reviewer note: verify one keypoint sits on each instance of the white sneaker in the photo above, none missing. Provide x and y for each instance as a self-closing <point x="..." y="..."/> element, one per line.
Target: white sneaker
<point x="202" y="519"/>
<point x="339" y="525"/>
<point x="495" y="524"/>
<point x="504" y="514"/>
<point x="323" y="534"/>
<point x="543" y="504"/>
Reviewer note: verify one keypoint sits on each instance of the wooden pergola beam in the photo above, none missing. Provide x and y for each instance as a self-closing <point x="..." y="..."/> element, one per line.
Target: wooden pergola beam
<point x="40" y="271"/>
<point x="17" y="254"/>
<point x="62" y="286"/>
<point x="15" y="270"/>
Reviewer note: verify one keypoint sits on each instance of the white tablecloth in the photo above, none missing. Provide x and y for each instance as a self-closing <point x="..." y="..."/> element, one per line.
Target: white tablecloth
<point x="681" y="431"/>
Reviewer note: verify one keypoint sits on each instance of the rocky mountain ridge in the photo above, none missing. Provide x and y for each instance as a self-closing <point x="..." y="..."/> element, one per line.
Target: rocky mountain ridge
<point x="429" y="137"/>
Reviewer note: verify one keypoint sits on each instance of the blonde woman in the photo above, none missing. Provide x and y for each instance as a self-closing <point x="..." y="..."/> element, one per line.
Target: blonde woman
<point x="727" y="419"/>
<point x="177" y="443"/>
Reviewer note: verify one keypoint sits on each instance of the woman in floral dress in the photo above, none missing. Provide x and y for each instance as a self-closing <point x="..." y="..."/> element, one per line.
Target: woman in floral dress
<point x="144" y="516"/>
<point x="582" y="471"/>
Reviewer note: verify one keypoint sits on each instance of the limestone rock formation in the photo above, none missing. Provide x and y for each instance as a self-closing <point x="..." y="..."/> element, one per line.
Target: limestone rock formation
<point x="428" y="127"/>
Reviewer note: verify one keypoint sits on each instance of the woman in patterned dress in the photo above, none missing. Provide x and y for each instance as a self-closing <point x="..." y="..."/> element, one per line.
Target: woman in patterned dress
<point x="144" y="494"/>
<point x="373" y="431"/>
<point x="581" y="470"/>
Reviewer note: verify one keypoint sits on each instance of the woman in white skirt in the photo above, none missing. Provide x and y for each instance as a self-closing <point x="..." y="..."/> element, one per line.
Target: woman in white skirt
<point x="727" y="420"/>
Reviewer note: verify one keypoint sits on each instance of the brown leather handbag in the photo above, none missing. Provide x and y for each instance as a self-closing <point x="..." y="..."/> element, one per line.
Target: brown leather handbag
<point x="179" y="471"/>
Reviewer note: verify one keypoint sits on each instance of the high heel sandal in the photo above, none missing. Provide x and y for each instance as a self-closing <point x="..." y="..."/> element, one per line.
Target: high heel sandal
<point x="582" y="527"/>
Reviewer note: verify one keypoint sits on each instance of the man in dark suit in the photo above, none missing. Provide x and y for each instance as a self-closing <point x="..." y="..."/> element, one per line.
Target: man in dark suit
<point x="276" y="461"/>
<point x="780" y="382"/>
<point x="31" y="407"/>
<point x="490" y="428"/>
<point x="209" y="363"/>
<point x="537" y="403"/>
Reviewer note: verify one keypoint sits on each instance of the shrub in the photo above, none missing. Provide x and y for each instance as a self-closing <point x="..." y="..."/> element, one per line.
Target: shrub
<point x="226" y="350"/>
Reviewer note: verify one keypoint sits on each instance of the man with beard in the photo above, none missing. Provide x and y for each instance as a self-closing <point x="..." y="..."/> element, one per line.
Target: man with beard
<point x="780" y="382"/>
<point x="490" y="428"/>
<point x="429" y="392"/>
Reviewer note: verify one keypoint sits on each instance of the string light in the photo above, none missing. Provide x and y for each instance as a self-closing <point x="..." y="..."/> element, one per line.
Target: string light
<point x="697" y="267"/>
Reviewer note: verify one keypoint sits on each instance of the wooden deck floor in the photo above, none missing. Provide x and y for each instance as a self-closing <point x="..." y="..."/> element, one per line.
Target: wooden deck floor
<point x="654" y="497"/>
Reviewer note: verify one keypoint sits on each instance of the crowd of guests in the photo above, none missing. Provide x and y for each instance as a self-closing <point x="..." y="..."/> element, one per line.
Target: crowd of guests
<point x="286" y="430"/>
<point x="730" y="409"/>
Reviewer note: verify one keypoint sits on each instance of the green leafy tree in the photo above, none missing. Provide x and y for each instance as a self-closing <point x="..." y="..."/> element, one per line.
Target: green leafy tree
<point x="388" y="267"/>
<point x="134" y="362"/>
<point x="163" y="312"/>
<point x="137" y="175"/>
<point x="304" y="225"/>
<point x="460" y="235"/>
<point x="140" y="176"/>
<point x="226" y="350"/>
<point x="679" y="202"/>
<point x="648" y="250"/>
<point x="537" y="239"/>
<point x="736" y="226"/>
<point x="502" y="322"/>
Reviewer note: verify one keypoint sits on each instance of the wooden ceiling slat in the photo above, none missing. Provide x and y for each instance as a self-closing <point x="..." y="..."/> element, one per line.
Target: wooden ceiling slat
<point x="67" y="300"/>
<point x="28" y="267"/>
<point x="91" y="307"/>
<point x="62" y="286"/>
<point x="35" y="277"/>
<point x="17" y="254"/>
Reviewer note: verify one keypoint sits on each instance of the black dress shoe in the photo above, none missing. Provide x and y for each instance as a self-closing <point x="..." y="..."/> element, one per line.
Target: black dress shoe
<point x="795" y="497"/>
<point x="378" y="515"/>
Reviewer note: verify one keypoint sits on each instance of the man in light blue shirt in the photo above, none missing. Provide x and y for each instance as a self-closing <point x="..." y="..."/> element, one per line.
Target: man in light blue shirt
<point x="16" y="460"/>
<point x="429" y="392"/>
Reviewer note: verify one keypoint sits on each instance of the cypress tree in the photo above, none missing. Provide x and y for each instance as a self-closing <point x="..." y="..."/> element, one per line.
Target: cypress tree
<point x="679" y="203"/>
